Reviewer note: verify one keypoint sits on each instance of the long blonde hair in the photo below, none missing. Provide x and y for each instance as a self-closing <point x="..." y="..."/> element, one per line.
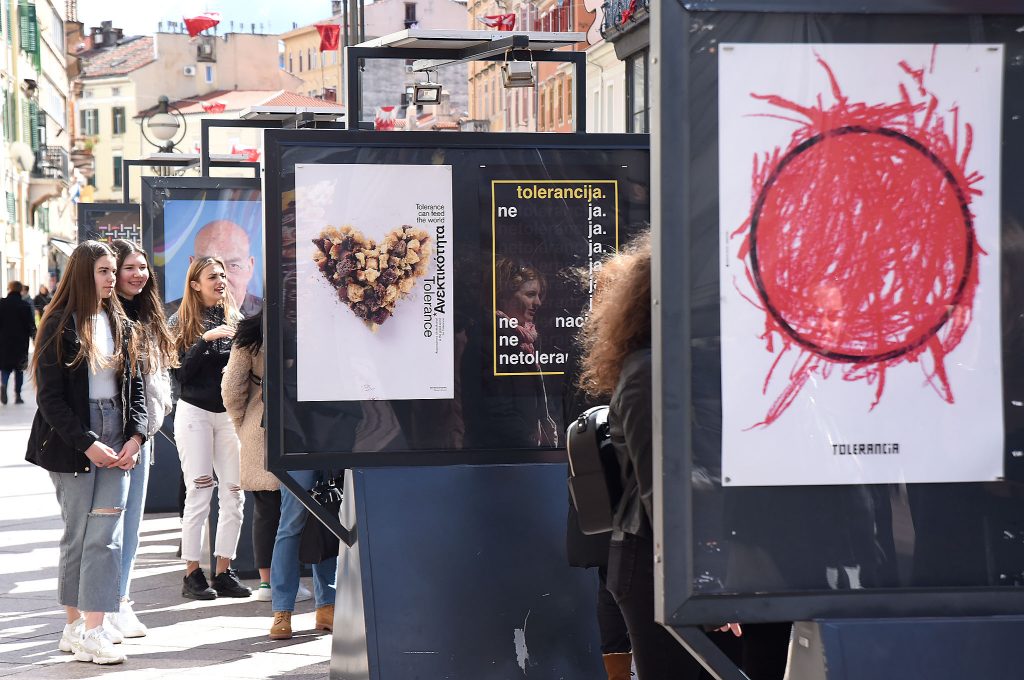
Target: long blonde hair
<point x="75" y="298"/>
<point x="190" y="313"/>
<point x="620" y="317"/>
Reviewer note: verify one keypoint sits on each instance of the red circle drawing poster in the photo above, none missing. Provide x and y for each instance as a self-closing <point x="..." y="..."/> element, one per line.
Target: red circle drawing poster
<point x="859" y="219"/>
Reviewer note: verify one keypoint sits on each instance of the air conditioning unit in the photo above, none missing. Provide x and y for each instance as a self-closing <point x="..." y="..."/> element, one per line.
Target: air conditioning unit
<point x="189" y="70"/>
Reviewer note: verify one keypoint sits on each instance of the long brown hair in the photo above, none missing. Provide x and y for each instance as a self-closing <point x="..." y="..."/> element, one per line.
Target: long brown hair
<point x="190" y="313"/>
<point x="156" y="337"/>
<point x="620" y="318"/>
<point x="76" y="298"/>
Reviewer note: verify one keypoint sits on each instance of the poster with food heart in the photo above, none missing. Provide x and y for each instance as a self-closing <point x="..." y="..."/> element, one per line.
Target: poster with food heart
<point x="375" y="286"/>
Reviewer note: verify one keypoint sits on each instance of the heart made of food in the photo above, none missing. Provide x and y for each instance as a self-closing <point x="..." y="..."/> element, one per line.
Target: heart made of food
<point x="371" y="278"/>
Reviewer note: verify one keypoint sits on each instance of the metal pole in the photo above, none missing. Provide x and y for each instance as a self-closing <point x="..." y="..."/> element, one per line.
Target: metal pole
<point x="352" y="107"/>
<point x="204" y="148"/>
<point x="579" y="62"/>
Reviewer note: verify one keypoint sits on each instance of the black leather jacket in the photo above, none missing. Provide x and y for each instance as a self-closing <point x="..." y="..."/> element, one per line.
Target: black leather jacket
<point x="197" y="379"/>
<point x="60" y="430"/>
<point x="630" y="426"/>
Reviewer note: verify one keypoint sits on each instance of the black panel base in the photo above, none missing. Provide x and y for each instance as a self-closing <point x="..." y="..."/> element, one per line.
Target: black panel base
<point x="908" y="649"/>
<point x="460" y="573"/>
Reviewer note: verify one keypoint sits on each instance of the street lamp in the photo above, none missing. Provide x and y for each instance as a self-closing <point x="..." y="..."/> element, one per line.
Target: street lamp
<point x="166" y="126"/>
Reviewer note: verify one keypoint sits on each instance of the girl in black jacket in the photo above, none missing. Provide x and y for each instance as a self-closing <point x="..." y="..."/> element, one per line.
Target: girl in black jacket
<point x="88" y="431"/>
<point x="203" y="328"/>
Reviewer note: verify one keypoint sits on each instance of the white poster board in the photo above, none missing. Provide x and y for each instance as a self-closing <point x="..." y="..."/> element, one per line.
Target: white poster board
<point x="859" y="263"/>
<point x="364" y="334"/>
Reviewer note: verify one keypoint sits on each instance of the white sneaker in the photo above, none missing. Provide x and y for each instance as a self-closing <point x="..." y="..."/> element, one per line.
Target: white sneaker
<point x="263" y="593"/>
<point x="95" y="646"/>
<point x="113" y="634"/>
<point x="126" y="622"/>
<point x="303" y="594"/>
<point x="72" y="632"/>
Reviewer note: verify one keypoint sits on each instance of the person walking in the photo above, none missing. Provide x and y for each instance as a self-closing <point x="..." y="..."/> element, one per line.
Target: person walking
<point x="88" y="432"/>
<point x="139" y="296"/>
<point x="17" y="326"/>
<point x="203" y="328"/>
<point x="41" y="300"/>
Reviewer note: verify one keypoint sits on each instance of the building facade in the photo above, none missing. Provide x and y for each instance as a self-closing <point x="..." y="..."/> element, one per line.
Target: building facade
<point x="38" y="219"/>
<point x="122" y="76"/>
<point x="385" y="82"/>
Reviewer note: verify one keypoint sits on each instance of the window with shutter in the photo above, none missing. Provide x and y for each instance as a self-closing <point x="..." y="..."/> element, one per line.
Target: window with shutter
<point x="12" y="209"/>
<point x="34" y="126"/>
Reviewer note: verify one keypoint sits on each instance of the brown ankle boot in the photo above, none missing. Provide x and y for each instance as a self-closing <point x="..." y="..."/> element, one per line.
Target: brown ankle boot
<point x="617" y="666"/>
<point x="325" y="618"/>
<point x="282" y="628"/>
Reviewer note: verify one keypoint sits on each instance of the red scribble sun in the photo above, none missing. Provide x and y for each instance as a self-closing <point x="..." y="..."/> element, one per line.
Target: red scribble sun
<point x="860" y="242"/>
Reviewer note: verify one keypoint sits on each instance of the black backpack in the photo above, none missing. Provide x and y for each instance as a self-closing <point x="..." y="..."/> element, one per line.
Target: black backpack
<point x="595" y="482"/>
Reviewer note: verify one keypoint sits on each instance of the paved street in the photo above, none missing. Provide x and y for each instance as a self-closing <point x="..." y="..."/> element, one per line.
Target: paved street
<point x="222" y="639"/>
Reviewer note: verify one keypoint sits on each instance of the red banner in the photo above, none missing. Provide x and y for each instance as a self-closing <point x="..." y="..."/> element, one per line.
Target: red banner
<point x="502" y="22"/>
<point x="199" y="23"/>
<point x="330" y="36"/>
<point x="214" y="107"/>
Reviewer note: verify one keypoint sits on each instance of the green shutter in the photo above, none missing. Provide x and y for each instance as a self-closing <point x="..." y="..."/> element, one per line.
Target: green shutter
<point x="29" y="29"/>
<point x="33" y="121"/>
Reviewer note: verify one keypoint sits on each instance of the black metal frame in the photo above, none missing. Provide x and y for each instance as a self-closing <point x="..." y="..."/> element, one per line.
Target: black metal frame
<point x="513" y="45"/>
<point x="676" y="602"/>
<point x="274" y="144"/>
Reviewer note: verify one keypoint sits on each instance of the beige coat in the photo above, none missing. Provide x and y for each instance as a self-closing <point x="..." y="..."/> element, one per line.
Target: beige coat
<point x="243" y="399"/>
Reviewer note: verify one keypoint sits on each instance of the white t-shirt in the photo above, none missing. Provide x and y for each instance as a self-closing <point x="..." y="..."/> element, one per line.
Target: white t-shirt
<point x="103" y="382"/>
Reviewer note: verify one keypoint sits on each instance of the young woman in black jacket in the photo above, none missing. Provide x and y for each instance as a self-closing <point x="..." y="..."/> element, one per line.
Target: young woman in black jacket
<point x="88" y="431"/>
<point x="207" y="443"/>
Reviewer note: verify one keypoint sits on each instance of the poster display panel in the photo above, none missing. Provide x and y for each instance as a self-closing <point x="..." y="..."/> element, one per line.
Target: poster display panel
<point x="386" y="359"/>
<point x="377" y="279"/>
<point x="109" y="221"/>
<point x="191" y="218"/>
<point x="859" y="266"/>
<point x="839" y="419"/>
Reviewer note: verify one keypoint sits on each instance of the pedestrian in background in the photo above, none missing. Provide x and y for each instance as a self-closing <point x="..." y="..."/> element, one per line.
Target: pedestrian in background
<point x="17" y="326"/>
<point x="88" y="433"/>
<point x="203" y="328"/>
<point x="139" y="296"/>
<point x="41" y="300"/>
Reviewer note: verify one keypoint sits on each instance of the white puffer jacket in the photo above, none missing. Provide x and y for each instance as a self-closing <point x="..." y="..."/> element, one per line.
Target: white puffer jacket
<point x="158" y="398"/>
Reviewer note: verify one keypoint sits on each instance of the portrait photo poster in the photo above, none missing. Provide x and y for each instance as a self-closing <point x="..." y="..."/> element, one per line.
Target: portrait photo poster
<point x="375" y="286"/>
<point x="859" y="260"/>
<point x="231" y="230"/>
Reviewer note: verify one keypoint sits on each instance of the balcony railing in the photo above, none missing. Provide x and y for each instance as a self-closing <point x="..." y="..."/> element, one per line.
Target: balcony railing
<point x="52" y="163"/>
<point x="621" y="15"/>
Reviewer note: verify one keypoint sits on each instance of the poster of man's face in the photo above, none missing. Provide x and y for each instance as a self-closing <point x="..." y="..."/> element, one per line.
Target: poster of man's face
<point x="230" y="230"/>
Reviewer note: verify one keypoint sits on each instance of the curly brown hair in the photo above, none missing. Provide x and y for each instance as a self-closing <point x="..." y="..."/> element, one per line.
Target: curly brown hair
<point x="619" y="322"/>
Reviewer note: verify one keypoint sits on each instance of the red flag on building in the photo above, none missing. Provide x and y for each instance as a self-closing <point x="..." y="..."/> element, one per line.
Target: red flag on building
<point x="214" y="107"/>
<point x="330" y="36"/>
<point x="502" y="22"/>
<point x="250" y="153"/>
<point x="200" y="22"/>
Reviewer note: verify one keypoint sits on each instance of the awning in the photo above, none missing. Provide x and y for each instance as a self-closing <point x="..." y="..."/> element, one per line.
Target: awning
<point x="64" y="248"/>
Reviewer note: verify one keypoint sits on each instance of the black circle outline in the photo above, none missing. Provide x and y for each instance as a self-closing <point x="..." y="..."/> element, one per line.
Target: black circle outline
<point x="968" y="229"/>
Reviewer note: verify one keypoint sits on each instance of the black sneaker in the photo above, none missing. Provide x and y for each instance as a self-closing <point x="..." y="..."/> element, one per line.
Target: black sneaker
<point x="195" y="587"/>
<point x="18" y="399"/>
<point x="227" y="584"/>
<point x="3" y="395"/>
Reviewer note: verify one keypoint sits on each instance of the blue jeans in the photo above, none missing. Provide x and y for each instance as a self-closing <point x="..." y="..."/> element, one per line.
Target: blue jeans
<point x="19" y="379"/>
<point x="90" y="548"/>
<point x="284" y="569"/>
<point x="133" y="509"/>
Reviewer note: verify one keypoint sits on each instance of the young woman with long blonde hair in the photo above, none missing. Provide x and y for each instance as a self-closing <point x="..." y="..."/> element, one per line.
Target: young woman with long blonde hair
<point x="88" y="432"/>
<point x="139" y="295"/>
<point x="207" y="443"/>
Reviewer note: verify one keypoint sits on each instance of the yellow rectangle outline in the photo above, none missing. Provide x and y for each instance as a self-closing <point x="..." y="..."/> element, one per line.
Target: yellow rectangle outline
<point x="494" y="255"/>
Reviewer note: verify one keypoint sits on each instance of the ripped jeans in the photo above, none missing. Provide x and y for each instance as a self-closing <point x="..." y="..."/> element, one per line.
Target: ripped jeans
<point x="92" y="504"/>
<point x="207" y="444"/>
